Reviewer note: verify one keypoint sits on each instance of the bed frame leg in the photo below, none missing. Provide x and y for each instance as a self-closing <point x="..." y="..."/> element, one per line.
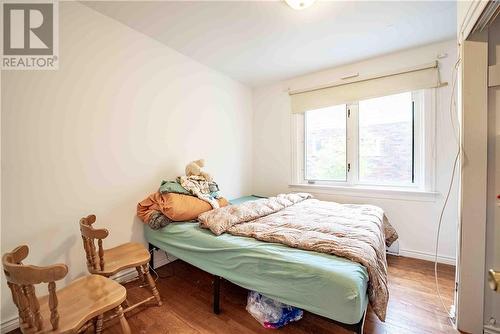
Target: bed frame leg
<point x="216" y="294"/>
<point x="152" y="249"/>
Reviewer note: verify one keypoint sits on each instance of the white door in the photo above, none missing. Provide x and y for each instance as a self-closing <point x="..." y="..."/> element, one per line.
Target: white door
<point x="492" y="299"/>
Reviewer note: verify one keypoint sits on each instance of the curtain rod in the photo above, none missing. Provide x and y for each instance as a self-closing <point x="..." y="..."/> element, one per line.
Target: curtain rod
<point x="434" y="64"/>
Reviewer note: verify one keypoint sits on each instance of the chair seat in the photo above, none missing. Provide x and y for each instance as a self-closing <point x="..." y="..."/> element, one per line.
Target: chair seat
<point x="129" y="255"/>
<point x="81" y="301"/>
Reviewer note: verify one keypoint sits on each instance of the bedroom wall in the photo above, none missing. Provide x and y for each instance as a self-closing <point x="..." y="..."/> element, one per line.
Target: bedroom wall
<point x="415" y="218"/>
<point x="98" y="135"/>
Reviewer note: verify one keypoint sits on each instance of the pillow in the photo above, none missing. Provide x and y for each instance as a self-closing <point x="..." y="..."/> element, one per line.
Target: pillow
<point x="147" y="208"/>
<point x="158" y="220"/>
<point x="179" y="207"/>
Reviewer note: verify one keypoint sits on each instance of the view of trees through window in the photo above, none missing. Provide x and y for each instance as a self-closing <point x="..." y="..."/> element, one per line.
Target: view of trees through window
<point x="385" y="141"/>
<point x="326" y="151"/>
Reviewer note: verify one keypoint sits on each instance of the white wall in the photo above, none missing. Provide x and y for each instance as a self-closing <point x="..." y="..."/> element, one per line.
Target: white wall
<point x="98" y="135"/>
<point x="415" y="220"/>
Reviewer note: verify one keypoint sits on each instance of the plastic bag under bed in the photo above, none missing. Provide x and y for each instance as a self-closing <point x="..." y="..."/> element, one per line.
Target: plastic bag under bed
<point x="271" y="313"/>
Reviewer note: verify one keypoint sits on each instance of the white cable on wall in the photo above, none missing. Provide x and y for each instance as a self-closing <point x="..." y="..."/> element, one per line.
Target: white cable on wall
<point x="456" y="133"/>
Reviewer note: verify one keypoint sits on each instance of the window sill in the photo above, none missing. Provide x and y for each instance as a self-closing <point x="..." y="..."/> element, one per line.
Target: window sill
<point x="370" y="192"/>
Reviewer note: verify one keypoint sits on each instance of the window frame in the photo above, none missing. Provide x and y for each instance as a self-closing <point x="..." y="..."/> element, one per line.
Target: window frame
<point x="424" y="148"/>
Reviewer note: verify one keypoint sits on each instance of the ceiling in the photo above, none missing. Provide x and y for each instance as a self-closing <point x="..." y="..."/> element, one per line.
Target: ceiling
<point x="257" y="42"/>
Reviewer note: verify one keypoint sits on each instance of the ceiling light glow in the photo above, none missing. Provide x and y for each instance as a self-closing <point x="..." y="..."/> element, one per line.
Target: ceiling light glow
<point x="299" y="4"/>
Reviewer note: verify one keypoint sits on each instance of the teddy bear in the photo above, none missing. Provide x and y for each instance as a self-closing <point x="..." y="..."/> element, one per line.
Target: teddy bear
<point x="194" y="168"/>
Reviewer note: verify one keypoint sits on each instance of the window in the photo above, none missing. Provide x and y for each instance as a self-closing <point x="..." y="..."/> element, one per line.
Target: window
<point x="386" y="133"/>
<point x="326" y="140"/>
<point x="372" y="142"/>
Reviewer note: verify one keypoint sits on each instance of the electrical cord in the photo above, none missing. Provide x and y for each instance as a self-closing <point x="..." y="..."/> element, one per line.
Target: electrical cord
<point x="456" y="132"/>
<point x="157" y="276"/>
<point x="165" y="276"/>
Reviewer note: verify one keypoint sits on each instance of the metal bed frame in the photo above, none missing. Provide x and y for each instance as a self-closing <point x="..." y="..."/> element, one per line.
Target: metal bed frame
<point x="355" y="328"/>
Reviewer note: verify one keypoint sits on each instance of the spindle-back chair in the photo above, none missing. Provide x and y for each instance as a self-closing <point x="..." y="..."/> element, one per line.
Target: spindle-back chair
<point x="108" y="262"/>
<point x="72" y="309"/>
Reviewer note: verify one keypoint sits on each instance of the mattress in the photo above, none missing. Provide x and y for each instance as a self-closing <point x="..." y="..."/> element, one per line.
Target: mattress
<point x="323" y="284"/>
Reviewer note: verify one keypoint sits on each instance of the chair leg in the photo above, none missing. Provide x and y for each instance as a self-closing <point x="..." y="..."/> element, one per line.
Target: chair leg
<point x="123" y="322"/>
<point x="152" y="284"/>
<point x="141" y="274"/>
<point x="125" y="304"/>
<point x="98" y="324"/>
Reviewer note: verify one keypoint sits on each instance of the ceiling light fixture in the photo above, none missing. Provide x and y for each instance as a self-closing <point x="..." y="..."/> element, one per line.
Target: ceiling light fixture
<point x="299" y="4"/>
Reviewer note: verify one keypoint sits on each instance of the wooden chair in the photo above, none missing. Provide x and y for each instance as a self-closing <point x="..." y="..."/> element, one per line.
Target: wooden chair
<point x="72" y="309"/>
<point x="111" y="261"/>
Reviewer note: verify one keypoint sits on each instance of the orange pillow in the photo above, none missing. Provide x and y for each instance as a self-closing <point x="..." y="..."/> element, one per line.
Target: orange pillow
<point x="147" y="207"/>
<point x="180" y="207"/>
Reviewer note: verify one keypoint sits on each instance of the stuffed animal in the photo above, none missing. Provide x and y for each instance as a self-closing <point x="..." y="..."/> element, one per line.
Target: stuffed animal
<point x="194" y="168"/>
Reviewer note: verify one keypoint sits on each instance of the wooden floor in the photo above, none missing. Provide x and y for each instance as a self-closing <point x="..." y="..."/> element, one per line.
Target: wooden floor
<point x="187" y="304"/>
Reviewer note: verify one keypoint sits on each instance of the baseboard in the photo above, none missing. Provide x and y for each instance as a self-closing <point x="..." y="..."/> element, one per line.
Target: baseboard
<point x="489" y="329"/>
<point x="131" y="274"/>
<point x="125" y="276"/>
<point x="122" y="277"/>
<point x="9" y="325"/>
<point x="161" y="258"/>
<point x="427" y="256"/>
<point x="164" y="261"/>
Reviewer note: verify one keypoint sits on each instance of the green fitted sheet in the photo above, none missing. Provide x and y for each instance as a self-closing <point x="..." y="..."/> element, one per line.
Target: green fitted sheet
<point x="323" y="284"/>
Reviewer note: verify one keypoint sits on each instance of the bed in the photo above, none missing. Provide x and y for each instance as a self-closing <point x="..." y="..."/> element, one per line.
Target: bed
<point x="327" y="285"/>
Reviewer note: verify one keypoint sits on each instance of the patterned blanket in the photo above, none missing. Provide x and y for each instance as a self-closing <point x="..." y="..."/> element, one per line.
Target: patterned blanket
<point x="197" y="185"/>
<point x="356" y="232"/>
